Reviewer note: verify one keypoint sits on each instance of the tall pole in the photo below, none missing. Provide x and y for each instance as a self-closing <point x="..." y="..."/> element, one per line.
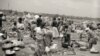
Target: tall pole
<point x="8" y="5"/>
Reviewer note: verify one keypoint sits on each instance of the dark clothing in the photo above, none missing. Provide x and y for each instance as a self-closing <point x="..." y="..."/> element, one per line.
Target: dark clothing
<point x="39" y="22"/>
<point x="66" y="37"/>
<point x="92" y="41"/>
<point x="60" y="23"/>
<point x="54" y="23"/>
<point x="66" y="40"/>
<point x="1" y="20"/>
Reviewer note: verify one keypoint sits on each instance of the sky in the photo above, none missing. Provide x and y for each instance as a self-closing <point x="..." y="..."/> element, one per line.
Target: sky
<point x="83" y="8"/>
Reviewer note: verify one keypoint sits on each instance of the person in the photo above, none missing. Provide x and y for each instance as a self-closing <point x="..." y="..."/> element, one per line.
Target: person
<point x="20" y="24"/>
<point x="92" y="37"/>
<point x="54" y="23"/>
<point x="60" y="23"/>
<point x="66" y="40"/>
<point x="4" y="32"/>
<point x="1" y="15"/>
<point x="54" y="28"/>
<point x="20" y="30"/>
<point x="40" y="43"/>
<point x="39" y="21"/>
<point x="14" y="25"/>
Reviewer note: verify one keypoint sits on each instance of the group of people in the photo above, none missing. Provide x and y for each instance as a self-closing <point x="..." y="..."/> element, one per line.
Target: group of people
<point x="45" y="32"/>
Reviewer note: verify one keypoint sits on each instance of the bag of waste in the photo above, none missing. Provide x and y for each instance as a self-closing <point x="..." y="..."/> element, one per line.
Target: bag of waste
<point x="94" y="50"/>
<point x="47" y="49"/>
<point x="16" y="48"/>
<point x="84" y="48"/>
<point x="9" y="52"/>
<point x="53" y="48"/>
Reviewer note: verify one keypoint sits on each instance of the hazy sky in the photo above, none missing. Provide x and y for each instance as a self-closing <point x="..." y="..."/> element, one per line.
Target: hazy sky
<point x="67" y="7"/>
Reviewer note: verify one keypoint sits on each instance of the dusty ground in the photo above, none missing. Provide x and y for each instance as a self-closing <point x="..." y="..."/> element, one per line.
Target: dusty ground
<point x="28" y="52"/>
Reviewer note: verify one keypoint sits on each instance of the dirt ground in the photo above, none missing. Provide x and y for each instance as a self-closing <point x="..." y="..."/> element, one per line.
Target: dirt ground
<point x="66" y="52"/>
<point x="28" y="52"/>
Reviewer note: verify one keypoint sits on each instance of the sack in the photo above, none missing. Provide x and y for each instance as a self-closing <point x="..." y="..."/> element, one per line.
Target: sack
<point x="16" y="48"/>
<point x="93" y="49"/>
<point x="54" y="46"/>
<point x="84" y="48"/>
<point x="47" y="49"/>
<point x="9" y="52"/>
<point x="61" y="35"/>
<point x="82" y="43"/>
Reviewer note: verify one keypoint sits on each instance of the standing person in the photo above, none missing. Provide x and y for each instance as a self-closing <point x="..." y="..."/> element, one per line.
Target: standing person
<point x="66" y="40"/>
<point x="47" y="35"/>
<point x="39" y="21"/>
<point x="54" y="23"/>
<point x="1" y="15"/>
<point x="20" y="27"/>
<point x="54" y="28"/>
<point x="60" y="23"/>
<point x="40" y="43"/>
<point x="40" y="40"/>
<point x="20" y="24"/>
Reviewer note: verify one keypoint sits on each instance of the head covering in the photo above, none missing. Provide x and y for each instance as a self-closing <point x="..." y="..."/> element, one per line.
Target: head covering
<point x="36" y="16"/>
<point x="1" y="12"/>
<point x="20" y="20"/>
<point x="28" y="16"/>
<point x="87" y="29"/>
